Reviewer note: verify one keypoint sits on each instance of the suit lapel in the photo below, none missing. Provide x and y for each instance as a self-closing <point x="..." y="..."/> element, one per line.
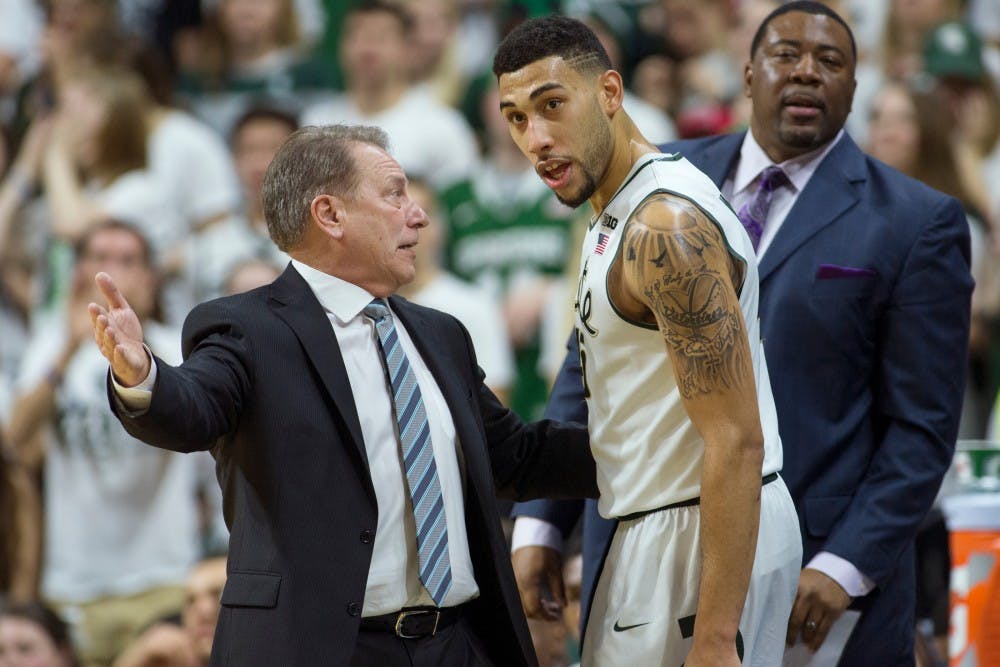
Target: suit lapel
<point x="828" y="195"/>
<point x="296" y="304"/>
<point x="430" y="348"/>
<point x="717" y="158"/>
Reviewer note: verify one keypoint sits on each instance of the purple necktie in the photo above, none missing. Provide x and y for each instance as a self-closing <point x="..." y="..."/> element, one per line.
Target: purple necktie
<point x="753" y="214"/>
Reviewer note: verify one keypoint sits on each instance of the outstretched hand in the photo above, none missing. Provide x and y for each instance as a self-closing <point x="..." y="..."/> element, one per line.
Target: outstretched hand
<point x="119" y="334"/>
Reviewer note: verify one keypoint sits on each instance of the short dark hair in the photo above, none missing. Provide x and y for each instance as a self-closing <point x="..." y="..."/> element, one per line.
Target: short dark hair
<point x="401" y="14"/>
<point x="549" y="36"/>
<point x="149" y="256"/>
<point x="312" y="161"/>
<point x="265" y="113"/>
<point x="807" y="7"/>
<point x="54" y="627"/>
<point x="82" y="244"/>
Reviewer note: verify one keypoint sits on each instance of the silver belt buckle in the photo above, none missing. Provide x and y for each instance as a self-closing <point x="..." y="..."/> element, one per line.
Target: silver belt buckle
<point x="416" y="612"/>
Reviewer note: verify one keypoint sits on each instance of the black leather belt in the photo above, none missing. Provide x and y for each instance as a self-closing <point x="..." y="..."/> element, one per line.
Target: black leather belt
<point x="413" y="622"/>
<point x="767" y="479"/>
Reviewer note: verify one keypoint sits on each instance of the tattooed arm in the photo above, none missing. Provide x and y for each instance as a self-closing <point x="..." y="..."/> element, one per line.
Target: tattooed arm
<point x="676" y="270"/>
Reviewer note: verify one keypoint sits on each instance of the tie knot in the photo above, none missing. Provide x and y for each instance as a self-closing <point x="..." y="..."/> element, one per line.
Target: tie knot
<point x="376" y="310"/>
<point x="771" y="178"/>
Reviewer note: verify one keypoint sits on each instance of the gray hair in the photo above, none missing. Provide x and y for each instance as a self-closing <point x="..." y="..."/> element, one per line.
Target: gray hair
<point x="311" y="162"/>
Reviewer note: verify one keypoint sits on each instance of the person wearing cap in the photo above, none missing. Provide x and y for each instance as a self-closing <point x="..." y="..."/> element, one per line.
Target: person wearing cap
<point x="954" y="51"/>
<point x="953" y="58"/>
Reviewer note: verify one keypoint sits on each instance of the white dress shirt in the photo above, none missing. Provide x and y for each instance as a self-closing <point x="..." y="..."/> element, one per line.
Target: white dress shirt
<point x="738" y="188"/>
<point x="393" y="581"/>
<point x="741" y="184"/>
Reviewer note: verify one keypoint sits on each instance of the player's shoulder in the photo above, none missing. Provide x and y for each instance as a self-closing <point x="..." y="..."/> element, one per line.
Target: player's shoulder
<point x="665" y="211"/>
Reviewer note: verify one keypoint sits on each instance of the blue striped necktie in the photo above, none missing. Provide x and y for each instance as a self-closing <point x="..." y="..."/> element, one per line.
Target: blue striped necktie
<point x="418" y="457"/>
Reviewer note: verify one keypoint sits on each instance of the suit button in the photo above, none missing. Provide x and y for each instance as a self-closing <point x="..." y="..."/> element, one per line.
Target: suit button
<point x="367" y="536"/>
<point x="354" y="609"/>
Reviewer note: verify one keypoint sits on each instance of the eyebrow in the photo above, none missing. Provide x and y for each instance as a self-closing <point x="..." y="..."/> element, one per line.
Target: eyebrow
<point x="541" y="90"/>
<point x="798" y="44"/>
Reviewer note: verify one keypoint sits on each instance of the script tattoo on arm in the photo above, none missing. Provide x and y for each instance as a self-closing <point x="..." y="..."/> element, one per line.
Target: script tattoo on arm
<point x="677" y="258"/>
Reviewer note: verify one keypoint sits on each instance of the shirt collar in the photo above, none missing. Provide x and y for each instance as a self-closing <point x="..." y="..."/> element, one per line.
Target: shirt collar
<point x="345" y="300"/>
<point x="799" y="170"/>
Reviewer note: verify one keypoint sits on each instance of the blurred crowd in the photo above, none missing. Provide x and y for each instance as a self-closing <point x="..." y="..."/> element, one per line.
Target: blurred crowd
<point x="134" y="136"/>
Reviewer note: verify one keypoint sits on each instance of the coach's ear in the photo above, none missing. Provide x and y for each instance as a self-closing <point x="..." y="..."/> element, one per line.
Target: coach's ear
<point x="329" y="214"/>
<point x="611" y="92"/>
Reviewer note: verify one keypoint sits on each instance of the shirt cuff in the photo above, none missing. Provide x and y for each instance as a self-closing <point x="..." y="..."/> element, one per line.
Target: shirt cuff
<point x="850" y="578"/>
<point x="532" y="532"/>
<point x="137" y="399"/>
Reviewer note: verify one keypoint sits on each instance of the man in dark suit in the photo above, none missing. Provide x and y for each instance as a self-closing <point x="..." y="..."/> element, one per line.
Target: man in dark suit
<point x="865" y="290"/>
<point x="358" y="449"/>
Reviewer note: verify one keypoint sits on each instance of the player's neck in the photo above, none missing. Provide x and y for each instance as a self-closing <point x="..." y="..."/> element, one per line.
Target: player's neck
<point x="629" y="145"/>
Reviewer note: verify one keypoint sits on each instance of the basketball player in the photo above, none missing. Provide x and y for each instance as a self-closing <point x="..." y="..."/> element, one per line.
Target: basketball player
<point x="704" y="565"/>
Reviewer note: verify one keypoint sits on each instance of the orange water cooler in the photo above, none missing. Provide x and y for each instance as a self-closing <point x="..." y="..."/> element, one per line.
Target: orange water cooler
<point x="973" y="518"/>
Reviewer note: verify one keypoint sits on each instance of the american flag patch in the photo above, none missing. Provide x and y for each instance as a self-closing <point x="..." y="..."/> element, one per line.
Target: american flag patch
<point x="602" y="243"/>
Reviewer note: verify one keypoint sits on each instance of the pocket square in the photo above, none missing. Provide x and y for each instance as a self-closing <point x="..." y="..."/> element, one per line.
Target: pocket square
<point x="834" y="271"/>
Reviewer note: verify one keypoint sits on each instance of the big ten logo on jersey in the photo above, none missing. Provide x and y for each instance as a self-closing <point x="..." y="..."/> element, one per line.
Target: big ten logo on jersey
<point x="608" y="221"/>
<point x="582" y="306"/>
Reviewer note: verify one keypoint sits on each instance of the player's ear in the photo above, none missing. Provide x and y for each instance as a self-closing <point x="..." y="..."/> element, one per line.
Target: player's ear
<point x="611" y="91"/>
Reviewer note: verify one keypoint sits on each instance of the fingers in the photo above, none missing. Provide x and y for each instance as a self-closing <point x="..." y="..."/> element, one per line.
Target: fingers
<point x="129" y="360"/>
<point x="797" y="618"/>
<point x="111" y="293"/>
<point x="553" y="596"/>
<point x="819" y="602"/>
<point x="96" y="311"/>
<point x="807" y="616"/>
<point x="538" y="571"/>
<point x="812" y="627"/>
<point x="814" y="632"/>
<point x="526" y="572"/>
<point x="531" y="601"/>
<point x="99" y="320"/>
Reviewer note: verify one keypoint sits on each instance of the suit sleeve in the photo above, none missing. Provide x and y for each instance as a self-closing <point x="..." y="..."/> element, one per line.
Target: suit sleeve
<point x="566" y="403"/>
<point x="544" y="459"/>
<point x="922" y="345"/>
<point x="197" y="403"/>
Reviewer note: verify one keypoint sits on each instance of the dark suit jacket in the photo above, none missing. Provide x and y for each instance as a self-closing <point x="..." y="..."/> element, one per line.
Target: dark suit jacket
<point x="567" y="403"/>
<point x="264" y="387"/>
<point x="865" y="296"/>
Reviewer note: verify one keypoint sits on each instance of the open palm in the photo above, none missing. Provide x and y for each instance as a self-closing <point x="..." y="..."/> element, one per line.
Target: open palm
<point x="118" y="333"/>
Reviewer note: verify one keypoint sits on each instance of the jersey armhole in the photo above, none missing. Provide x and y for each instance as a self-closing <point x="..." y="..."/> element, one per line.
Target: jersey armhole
<point x="722" y="232"/>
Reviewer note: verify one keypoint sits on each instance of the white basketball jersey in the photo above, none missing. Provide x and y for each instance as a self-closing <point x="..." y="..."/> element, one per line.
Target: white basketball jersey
<point x="648" y="452"/>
